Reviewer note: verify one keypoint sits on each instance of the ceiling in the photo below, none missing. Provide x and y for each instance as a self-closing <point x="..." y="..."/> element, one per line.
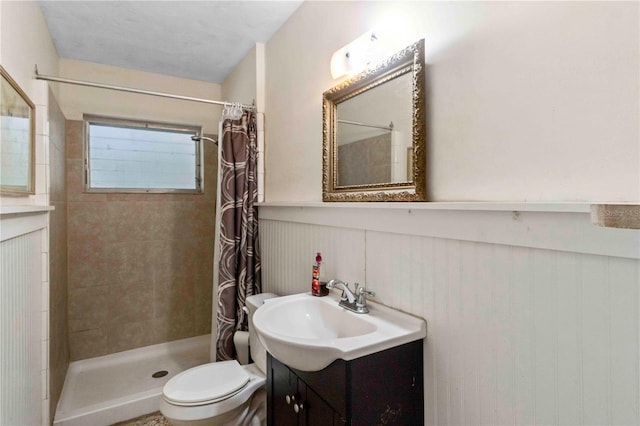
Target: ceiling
<point x="199" y="40"/>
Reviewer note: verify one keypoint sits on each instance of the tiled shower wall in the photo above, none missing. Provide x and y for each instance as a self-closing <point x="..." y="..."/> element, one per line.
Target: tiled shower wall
<point x="516" y="333"/>
<point x="58" y="331"/>
<point x="365" y="161"/>
<point x="140" y="265"/>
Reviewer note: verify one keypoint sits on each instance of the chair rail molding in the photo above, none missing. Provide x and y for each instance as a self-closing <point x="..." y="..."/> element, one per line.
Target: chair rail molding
<point x="553" y="226"/>
<point x="21" y="220"/>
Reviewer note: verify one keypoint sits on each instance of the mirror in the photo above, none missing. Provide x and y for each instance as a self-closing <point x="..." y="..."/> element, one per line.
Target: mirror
<point x="17" y="136"/>
<point x="374" y="132"/>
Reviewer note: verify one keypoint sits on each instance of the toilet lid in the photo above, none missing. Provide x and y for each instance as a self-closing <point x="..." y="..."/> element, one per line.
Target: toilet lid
<point x="206" y="383"/>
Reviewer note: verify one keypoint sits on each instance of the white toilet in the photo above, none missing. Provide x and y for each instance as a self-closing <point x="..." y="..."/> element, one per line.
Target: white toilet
<point x="221" y="393"/>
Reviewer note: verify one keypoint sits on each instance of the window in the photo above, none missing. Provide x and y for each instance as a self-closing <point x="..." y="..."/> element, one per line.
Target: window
<point x="134" y="156"/>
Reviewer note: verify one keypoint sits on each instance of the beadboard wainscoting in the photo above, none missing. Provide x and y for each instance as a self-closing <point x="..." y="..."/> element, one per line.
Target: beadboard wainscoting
<point x="24" y="315"/>
<point x="532" y="312"/>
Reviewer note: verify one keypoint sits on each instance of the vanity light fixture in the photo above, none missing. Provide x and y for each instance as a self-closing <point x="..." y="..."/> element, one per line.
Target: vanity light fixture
<point x="355" y="56"/>
<point x="371" y="47"/>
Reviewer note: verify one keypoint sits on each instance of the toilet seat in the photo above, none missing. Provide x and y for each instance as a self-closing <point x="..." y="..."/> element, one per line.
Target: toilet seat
<point x="206" y="384"/>
<point x="223" y="393"/>
<point x="224" y="411"/>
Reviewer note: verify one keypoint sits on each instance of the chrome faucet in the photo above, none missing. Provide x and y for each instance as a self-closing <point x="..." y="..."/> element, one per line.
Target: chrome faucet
<point x="354" y="301"/>
<point x="346" y="292"/>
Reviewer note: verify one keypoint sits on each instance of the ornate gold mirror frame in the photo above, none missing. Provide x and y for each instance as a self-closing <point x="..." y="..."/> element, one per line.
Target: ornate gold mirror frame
<point x="409" y="61"/>
<point x="17" y="139"/>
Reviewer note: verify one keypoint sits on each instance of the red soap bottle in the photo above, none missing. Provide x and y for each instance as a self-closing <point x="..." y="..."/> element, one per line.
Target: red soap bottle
<point x="315" y="277"/>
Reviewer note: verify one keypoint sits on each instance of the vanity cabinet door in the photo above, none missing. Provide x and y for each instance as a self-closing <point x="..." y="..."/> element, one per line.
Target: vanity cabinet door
<point x="290" y="401"/>
<point x="316" y="411"/>
<point x="281" y="393"/>
<point x="386" y="388"/>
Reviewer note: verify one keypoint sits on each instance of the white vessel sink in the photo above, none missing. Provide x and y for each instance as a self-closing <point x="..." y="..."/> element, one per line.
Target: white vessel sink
<point x="308" y="333"/>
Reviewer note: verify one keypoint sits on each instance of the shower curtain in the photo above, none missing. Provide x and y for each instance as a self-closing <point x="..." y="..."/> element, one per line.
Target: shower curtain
<point x="239" y="260"/>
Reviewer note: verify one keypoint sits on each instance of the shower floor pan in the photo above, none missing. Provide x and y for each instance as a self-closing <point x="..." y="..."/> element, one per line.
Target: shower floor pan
<point x="117" y="387"/>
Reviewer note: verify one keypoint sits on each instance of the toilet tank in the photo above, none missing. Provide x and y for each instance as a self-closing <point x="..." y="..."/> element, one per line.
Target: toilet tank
<point x="258" y="353"/>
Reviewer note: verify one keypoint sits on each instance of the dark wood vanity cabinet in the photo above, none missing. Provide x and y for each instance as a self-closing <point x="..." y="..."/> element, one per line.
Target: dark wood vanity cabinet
<point x="385" y="388"/>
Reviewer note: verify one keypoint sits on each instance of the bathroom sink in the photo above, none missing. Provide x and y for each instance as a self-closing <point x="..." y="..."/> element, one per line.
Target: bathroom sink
<point x="308" y="333"/>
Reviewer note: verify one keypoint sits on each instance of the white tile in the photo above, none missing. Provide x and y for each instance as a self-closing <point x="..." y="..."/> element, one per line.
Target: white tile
<point x="47" y="152"/>
<point x="44" y="346"/>
<point x="41" y="149"/>
<point x="44" y="241"/>
<point x="395" y="154"/>
<point x="41" y="178"/>
<point x="45" y="296"/>
<point x="40" y="93"/>
<point x="41" y="199"/>
<point x="45" y="412"/>
<point x="47" y="178"/>
<point x="45" y="325"/>
<point x="45" y="267"/>
<point x="261" y="186"/>
<point x="44" y="382"/>
<point x="41" y="120"/>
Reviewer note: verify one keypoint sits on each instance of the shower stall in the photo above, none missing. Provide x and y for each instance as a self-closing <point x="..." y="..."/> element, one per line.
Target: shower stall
<point x="139" y="285"/>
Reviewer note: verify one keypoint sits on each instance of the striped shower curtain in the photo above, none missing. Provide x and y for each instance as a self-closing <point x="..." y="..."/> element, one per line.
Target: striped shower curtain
<point x="239" y="265"/>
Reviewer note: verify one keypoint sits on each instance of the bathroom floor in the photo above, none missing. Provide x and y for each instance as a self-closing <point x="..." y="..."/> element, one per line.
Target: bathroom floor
<point x="153" y="419"/>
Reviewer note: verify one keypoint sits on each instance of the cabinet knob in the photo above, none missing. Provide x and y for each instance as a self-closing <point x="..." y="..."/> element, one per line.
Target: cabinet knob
<point x="290" y="399"/>
<point x="298" y="407"/>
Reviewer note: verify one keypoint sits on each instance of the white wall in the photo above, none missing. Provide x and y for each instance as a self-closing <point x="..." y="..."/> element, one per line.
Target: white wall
<point x="534" y="101"/>
<point x="245" y="84"/>
<point x="532" y="316"/>
<point x="20" y="51"/>
<point x="240" y="84"/>
<point x="78" y="100"/>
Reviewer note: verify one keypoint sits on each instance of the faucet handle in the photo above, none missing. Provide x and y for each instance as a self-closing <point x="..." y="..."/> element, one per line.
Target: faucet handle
<point x="360" y="290"/>
<point x="361" y="294"/>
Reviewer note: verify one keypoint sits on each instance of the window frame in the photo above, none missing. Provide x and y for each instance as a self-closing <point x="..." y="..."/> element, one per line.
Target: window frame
<point x="140" y="124"/>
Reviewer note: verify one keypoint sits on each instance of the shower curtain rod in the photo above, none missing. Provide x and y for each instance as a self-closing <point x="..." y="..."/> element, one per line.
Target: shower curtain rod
<point x="132" y="90"/>
<point x="358" y="123"/>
